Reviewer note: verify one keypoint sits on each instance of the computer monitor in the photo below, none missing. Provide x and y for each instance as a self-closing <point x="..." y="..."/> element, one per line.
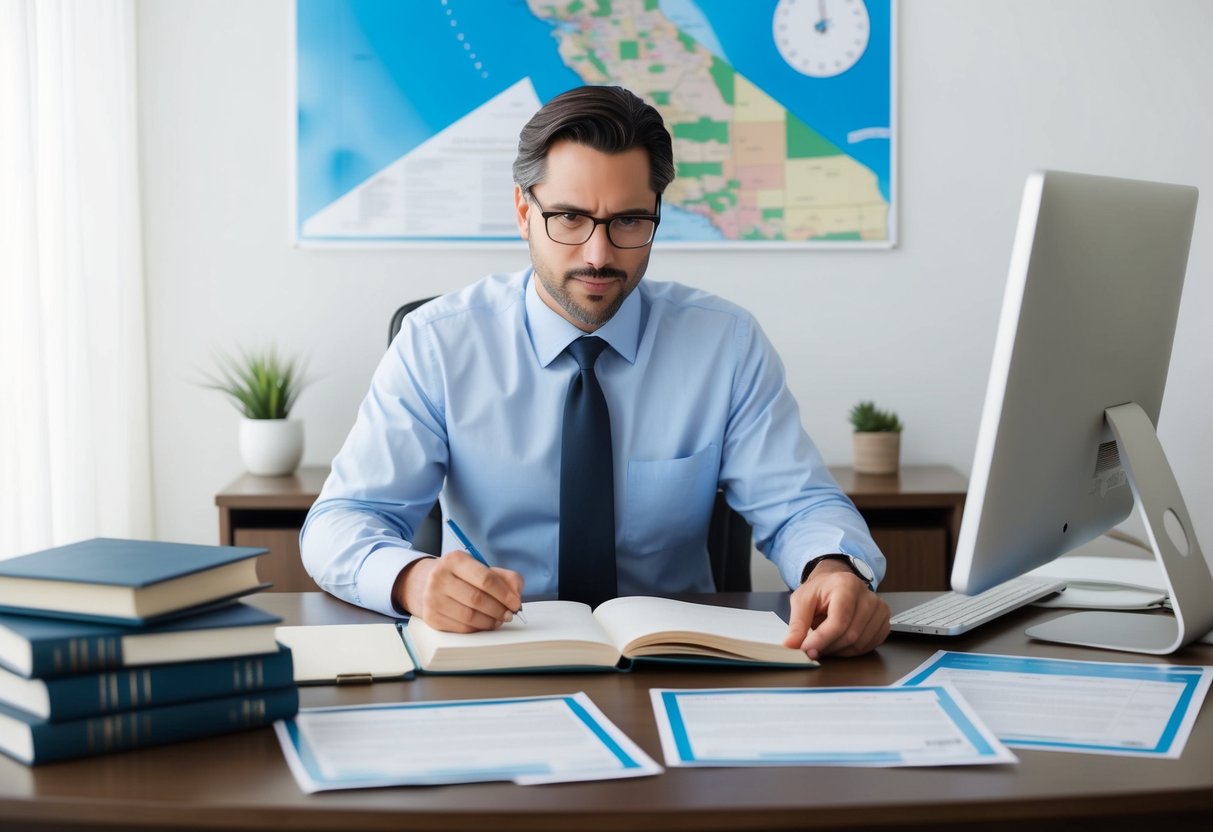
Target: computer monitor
<point x="1067" y="441"/>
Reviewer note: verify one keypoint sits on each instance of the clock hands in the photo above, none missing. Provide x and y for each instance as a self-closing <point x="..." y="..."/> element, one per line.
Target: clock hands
<point x="823" y="22"/>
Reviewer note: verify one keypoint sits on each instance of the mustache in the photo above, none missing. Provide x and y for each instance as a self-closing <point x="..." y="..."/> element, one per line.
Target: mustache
<point x="596" y="274"/>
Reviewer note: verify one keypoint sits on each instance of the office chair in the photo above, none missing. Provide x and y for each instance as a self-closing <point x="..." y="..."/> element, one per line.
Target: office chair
<point x="428" y="536"/>
<point x="398" y="317"/>
<point x="729" y="535"/>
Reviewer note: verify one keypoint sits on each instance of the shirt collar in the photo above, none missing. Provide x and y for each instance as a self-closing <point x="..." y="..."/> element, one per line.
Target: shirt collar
<point x="551" y="334"/>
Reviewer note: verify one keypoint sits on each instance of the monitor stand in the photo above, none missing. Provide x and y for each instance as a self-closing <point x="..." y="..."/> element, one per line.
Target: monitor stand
<point x="1169" y="529"/>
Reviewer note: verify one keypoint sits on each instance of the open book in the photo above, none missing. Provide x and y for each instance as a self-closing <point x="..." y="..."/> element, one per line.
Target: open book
<point x="566" y="634"/>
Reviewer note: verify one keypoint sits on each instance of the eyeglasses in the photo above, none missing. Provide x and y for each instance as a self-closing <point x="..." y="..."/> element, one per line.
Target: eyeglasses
<point x="572" y="228"/>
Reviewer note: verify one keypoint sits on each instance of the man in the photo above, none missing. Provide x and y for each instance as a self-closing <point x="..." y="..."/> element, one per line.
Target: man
<point x="586" y="466"/>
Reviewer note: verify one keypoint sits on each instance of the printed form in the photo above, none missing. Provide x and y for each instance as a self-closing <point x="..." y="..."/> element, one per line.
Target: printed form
<point x="1144" y="710"/>
<point x="822" y="726"/>
<point x="530" y="740"/>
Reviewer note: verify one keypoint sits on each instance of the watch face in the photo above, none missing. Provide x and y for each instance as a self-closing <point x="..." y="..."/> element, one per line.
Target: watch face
<point x="863" y="570"/>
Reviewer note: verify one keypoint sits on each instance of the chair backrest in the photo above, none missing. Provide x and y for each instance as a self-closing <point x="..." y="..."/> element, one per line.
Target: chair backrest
<point x="729" y="535"/>
<point x="730" y="540"/>
<point x="428" y="537"/>
<point x="398" y="317"/>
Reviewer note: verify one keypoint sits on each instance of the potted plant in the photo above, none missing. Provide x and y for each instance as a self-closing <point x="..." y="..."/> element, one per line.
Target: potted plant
<point x="264" y="386"/>
<point x="877" y="439"/>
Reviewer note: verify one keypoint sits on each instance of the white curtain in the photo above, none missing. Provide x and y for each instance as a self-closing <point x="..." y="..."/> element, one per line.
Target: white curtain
<point x="74" y="437"/>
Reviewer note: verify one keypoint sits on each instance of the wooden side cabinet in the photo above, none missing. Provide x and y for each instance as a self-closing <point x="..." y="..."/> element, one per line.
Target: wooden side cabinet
<point x="269" y="512"/>
<point x="914" y="516"/>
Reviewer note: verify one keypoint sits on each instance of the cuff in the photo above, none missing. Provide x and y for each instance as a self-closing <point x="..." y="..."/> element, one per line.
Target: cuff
<point x="378" y="575"/>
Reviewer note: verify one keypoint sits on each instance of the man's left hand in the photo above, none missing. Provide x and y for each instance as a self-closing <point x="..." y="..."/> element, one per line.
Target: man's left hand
<point x="834" y="613"/>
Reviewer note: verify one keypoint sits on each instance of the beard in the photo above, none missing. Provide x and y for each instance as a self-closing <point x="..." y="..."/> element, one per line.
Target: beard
<point x="557" y="287"/>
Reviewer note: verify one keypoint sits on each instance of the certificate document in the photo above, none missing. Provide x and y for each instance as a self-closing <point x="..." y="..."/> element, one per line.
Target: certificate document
<point x="542" y="739"/>
<point x="1144" y="710"/>
<point x="822" y="726"/>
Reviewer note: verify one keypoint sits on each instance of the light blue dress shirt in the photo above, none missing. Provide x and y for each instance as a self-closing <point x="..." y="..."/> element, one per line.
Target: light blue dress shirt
<point x="469" y="400"/>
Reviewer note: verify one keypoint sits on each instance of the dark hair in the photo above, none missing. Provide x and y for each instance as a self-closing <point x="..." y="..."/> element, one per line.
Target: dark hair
<point x="607" y="119"/>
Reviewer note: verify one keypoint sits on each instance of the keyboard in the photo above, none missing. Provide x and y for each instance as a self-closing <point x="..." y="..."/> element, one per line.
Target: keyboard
<point x="951" y="614"/>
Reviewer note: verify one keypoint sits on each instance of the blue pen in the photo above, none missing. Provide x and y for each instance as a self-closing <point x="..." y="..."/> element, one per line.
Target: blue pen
<point x="474" y="552"/>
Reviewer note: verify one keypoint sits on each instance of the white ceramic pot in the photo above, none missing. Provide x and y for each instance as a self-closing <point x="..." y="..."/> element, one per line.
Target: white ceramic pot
<point x="271" y="447"/>
<point x="877" y="452"/>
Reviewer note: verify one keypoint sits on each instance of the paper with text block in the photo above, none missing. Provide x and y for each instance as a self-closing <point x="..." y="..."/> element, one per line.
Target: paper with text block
<point x="530" y="740"/>
<point x="822" y="726"/>
<point x="1059" y="705"/>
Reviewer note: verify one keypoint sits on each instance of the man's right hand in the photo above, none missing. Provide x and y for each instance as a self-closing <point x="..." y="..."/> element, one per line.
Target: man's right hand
<point x="457" y="593"/>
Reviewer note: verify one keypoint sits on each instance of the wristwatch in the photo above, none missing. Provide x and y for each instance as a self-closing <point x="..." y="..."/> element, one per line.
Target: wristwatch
<point x="858" y="566"/>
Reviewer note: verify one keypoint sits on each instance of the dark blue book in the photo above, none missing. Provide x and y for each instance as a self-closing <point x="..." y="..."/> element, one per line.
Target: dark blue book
<point x="129" y="582"/>
<point x="32" y="741"/>
<point x="150" y="686"/>
<point x="49" y="647"/>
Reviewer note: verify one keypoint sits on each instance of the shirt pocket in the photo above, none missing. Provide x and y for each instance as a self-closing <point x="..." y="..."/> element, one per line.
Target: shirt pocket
<point x="668" y="502"/>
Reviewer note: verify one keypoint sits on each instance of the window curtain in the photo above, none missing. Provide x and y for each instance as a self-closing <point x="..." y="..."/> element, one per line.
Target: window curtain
<point x="74" y="434"/>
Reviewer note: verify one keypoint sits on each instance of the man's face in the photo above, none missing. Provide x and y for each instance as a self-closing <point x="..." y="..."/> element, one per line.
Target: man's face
<point x="586" y="284"/>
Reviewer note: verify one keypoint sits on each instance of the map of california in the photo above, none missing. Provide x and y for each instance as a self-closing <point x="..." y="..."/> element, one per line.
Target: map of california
<point x="756" y="171"/>
<point x="781" y="113"/>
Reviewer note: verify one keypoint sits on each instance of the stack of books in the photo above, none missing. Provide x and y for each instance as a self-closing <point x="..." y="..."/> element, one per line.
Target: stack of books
<point x="107" y="645"/>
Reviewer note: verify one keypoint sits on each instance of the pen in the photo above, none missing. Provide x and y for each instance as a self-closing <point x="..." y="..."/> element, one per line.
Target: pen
<point x="474" y="552"/>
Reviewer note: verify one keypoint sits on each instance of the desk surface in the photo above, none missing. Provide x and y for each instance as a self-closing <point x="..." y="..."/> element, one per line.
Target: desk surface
<point x="241" y="780"/>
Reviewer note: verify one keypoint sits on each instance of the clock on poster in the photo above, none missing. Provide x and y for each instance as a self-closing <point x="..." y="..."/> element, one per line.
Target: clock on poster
<point x="821" y="38"/>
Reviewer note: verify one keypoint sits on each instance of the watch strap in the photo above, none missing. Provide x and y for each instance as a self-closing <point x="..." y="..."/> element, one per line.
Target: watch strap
<point x="849" y="560"/>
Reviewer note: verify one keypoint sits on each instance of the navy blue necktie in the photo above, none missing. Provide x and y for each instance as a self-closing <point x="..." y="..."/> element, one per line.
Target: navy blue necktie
<point x="587" y="485"/>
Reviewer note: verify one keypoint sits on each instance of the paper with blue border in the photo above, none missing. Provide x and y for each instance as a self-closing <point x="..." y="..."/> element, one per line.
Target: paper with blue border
<point x="526" y="740"/>
<point x="861" y="726"/>
<point x="1139" y="710"/>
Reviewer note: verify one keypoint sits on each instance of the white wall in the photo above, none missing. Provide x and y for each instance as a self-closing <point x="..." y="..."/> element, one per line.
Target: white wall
<point x="988" y="92"/>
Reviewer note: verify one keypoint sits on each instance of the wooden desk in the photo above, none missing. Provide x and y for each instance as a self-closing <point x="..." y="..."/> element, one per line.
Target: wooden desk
<point x="914" y="516"/>
<point x="241" y="781"/>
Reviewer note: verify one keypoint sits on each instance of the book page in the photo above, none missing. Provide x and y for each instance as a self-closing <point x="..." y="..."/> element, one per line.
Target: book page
<point x="556" y="634"/>
<point x="643" y="626"/>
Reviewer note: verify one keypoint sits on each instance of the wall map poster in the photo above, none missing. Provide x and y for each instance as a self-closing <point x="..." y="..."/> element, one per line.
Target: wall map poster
<point x="783" y="114"/>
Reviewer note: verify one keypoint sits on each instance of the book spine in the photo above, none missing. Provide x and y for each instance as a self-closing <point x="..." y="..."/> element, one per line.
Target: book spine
<point x="65" y="656"/>
<point x="156" y="726"/>
<point x="98" y="694"/>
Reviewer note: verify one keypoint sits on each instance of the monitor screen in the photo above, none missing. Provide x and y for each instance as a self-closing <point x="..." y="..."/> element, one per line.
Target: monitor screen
<point x="1087" y="324"/>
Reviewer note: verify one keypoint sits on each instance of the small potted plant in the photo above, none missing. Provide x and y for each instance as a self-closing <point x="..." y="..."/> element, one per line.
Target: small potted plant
<point x="264" y="386"/>
<point x="877" y="439"/>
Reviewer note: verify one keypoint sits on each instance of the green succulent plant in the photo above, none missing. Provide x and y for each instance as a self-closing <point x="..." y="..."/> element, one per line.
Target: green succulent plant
<point x="867" y="418"/>
<point x="262" y="385"/>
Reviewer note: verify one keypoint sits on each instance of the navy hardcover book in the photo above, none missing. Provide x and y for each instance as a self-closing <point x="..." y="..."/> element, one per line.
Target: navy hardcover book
<point x="114" y="691"/>
<point x="31" y="646"/>
<point x="32" y="740"/>
<point x="126" y="581"/>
